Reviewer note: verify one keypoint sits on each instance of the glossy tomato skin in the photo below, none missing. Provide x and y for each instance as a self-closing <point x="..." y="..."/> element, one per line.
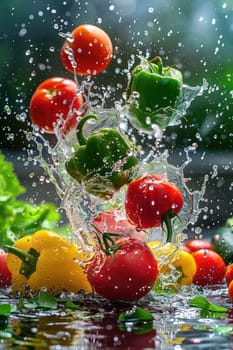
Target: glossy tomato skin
<point x="211" y="267"/>
<point x="149" y="198"/>
<point x="89" y="52"/>
<point x="229" y="274"/>
<point x="196" y="244"/>
<point x="5" y="274"/>
<point x="56" y="98"/>
<point x="127" y="277"/>
<point x="114" y="220"/>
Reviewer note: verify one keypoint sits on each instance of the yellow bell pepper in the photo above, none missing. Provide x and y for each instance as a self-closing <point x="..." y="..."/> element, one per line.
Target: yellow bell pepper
<point x="174" y="260"/>
<point x="46" y="260"/>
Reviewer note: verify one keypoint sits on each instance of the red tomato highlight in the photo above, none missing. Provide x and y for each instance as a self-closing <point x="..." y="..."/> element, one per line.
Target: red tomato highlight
<point x="56" y="99"/>
<point x="149" y="198"/>
<point x="128" y="276"/>
<point x="87" y="52"/>
<point x="211" y="268"/>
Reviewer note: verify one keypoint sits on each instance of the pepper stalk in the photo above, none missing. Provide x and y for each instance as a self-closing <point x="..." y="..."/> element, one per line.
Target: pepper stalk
<point x="29" y="259"/>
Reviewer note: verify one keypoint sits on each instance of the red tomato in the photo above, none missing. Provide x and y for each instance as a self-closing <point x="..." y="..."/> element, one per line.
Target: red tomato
<point x="211" y="267"/>
<point x="114" y="221"/>
<point x="56" y="99"/>
<point x="127" y="277"/>
<point x="149" y="198"/>
<point x="196" y="244"/>
<point x="5" y="274"/>
<point x="87" y="52"/>
<point x="230" y="291"/>
<point x="229" y="274"/>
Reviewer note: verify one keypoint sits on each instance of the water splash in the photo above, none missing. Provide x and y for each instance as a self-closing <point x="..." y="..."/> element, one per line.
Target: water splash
<point x="80" y="206"/>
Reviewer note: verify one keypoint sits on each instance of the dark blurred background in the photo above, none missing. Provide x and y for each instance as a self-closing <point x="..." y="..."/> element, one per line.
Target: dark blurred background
<point x="195" y="36"/>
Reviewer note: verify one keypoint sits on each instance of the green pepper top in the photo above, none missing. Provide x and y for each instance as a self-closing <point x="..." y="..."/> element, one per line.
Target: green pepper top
<point x="103" y="161"/>
<point x="159" y="89"/>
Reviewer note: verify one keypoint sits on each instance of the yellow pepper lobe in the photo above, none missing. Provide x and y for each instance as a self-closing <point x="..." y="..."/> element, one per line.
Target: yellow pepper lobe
<point x="58" y="267"/>
<point x="171" y="259"/>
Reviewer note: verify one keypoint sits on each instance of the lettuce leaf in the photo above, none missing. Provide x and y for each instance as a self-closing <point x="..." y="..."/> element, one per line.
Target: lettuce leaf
<point x="17" y="217"/>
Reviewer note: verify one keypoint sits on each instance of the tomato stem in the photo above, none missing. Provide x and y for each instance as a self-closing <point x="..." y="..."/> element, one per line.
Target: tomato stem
<point x="107" y="243"/>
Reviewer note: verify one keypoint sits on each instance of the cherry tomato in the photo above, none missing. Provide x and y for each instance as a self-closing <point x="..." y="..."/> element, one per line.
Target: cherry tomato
<point x="87" y="52"/>
<point x="211" y="267"/>
<point x="114" y="220"/>
<point x="196" y="244"/>
<point x="229" y="274"/>
<point x="128" y="276"/>
<point x="5" y="274"/>
<point x="56" y="99"/>
<point x="230" y="291"/>
<point x="149" y="199"/>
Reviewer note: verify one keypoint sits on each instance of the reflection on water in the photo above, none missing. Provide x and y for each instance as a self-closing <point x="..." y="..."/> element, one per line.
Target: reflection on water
<point x="94" y="325"/>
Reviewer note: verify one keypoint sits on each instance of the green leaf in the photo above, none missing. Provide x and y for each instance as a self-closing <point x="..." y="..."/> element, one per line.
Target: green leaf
<point x="47" y="300"/>
<point x="199" y="302"/>
<point x="5" y="309"/>
<point x="208" y="309"/>
<point x="24" y="304"/>
<point x="135" y="315"/>
<point x="19" y="218"/>
<point x="5" y="334"/>
<point x="222" y="329"/>
<point x="71" y="305"/>
<point x="136" y="320"/>
<point x="229" y="223"/>
<point x="9" y="183"/>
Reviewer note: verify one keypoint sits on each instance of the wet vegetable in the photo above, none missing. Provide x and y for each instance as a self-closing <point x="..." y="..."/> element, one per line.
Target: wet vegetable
<point x="114" y="220"/>
<point x="88" y="51"/>
<point x="103" y="161"/>
<point x="56" y="100"/>
<point x="173" y="261"/>
<point x="18" y="217"/>
<point x="5" y="275"/>
<point x="211" y="267"/>
<point x="223" y="241"/>
<point x="208" y="309"/>
<point x="196" y="244"/>
<point x="159" y="89"/>
<point x="152" y="201"/>
<point x="229" y="274"/>
<point x="127" y="273"/>
<point x="230" y="291"/>
<point x="46" y="260"/>
<point x="136" y="320"/>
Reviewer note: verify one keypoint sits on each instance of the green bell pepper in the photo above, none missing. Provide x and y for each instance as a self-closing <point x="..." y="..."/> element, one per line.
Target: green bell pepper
<point x="103" y="162"/>
<point x="223" y="241"/>
<point x="159" y="89"/>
